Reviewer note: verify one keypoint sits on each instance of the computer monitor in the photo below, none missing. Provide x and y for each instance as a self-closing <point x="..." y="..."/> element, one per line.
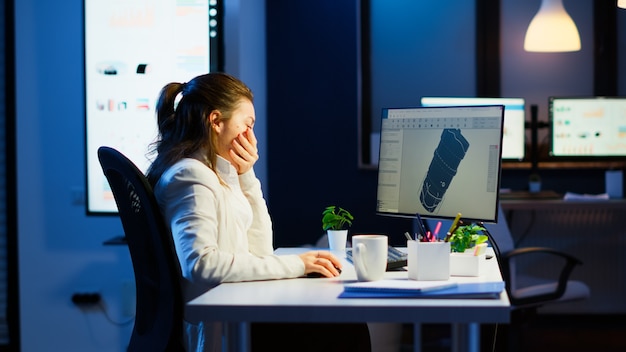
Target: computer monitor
<point x="440" y="161"/>
<point x="513" y="139"/>
<point x="587" y="127"/>
<point x="132" y="49"/>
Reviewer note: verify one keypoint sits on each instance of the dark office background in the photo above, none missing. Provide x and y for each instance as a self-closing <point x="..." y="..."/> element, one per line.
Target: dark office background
<point x="314" y="106"/>
<point x="311" y="151"/>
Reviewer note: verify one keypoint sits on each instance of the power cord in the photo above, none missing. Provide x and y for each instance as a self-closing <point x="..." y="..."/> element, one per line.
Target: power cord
<point x="111" y="320"/>
<point x="495" y="335"/>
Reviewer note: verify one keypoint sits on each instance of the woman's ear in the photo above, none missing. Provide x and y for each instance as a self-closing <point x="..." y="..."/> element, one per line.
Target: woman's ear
<point x="215" y="120"/>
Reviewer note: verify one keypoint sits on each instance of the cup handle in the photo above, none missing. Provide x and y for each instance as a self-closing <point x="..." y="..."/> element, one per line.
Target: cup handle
<point x="359" y="251"/>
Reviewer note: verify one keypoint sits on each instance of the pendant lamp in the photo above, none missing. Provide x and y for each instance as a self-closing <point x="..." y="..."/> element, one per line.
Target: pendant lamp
<point x="552" y="29"/>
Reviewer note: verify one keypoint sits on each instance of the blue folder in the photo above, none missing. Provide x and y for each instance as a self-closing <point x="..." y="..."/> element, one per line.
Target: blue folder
<point x="490" y="290"/>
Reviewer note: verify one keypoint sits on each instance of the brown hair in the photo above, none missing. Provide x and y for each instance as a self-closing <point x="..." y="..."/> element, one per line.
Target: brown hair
<point x="185" y="128"/>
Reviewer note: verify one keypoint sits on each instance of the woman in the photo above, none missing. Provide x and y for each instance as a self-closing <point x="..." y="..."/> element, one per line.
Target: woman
<point x="205" y="185"/>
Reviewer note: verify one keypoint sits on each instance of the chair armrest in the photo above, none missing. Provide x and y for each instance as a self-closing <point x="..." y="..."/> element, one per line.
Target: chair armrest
<point x="527" y="250"/>
<point x="566" y="270"/>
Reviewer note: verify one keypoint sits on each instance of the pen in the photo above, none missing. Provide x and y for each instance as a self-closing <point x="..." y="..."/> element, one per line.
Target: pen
<point x="437" y="228"/>
<point x="420" y="224"/>
<point x="408" y="236"/>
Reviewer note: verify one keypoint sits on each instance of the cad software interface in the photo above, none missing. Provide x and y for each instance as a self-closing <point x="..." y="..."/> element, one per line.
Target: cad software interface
<point x="439" y="161"/>
<point x="513" y="134"/>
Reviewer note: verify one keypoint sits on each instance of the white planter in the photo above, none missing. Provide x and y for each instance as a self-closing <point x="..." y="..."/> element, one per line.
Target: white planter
<point x="467" y="264"/>
<point x="337" y="239"/>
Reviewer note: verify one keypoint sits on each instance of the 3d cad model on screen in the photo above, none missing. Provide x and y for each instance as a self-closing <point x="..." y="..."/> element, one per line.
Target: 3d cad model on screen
<point x="443" y="167"/>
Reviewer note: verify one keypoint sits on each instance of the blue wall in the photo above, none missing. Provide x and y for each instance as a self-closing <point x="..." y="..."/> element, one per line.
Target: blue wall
<point x="312" y="132"/>
<point x="421" y="48"/>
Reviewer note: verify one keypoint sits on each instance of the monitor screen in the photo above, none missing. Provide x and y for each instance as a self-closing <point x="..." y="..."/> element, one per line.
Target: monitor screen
<point x="439" y="161"/>
<point x="132" y="49"/>
<point x="588" y="127"/>
<point x="513" y="138"/>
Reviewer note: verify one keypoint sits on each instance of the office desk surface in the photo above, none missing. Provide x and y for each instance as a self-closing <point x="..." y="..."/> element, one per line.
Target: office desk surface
<point x="315" y="300"/>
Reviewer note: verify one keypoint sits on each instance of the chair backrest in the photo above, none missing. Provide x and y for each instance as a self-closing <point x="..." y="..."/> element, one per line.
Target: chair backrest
<point x="526" y="291"/>
<point x="159" y="310"/>
<point x="501" y="233"/>
<point x="502" y="242"/>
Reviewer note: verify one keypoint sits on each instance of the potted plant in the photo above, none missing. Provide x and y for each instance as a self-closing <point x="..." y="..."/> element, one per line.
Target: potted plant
<point x="465" y="259"/>
<point x="466" y="237"/>
<point x="335" y="221"/>
<point x="534" y="182"/>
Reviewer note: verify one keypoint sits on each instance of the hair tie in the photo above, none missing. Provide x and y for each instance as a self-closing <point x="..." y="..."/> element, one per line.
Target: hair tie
<point x="179" y="95"/>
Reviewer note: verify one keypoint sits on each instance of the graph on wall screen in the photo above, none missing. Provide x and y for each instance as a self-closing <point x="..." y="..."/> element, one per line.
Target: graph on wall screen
<point x="132" y="49"/>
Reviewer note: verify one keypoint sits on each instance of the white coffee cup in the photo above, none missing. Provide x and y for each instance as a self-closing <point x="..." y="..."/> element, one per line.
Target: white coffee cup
<point x="369" y="256"/>
<point x="337" y="239"/>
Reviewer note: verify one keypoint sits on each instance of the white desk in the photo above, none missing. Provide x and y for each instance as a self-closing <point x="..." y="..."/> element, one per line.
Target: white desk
<point x="315" y="300"/>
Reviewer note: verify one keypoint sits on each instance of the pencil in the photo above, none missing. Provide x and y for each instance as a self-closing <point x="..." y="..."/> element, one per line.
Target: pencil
<point x="455" y="222"/>
<point x="453" y="227"/>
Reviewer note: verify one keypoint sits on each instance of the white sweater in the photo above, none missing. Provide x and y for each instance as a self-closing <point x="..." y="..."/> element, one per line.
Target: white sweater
<point x="221" y="233"/>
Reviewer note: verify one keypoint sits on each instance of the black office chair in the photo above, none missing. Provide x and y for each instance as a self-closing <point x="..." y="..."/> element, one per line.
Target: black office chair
<point x="159" y="311"/>
<point x="526" y="291"/>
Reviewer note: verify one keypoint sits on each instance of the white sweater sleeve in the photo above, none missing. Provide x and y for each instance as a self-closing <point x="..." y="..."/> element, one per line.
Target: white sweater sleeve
<point x="260" y="232"/>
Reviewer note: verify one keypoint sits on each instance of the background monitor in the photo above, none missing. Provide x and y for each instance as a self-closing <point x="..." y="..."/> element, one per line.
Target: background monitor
<point x="587" y="127"/>
<point x="132" y="49"/>
<point x="439" y="161"/>
<point x="513" y="139"/>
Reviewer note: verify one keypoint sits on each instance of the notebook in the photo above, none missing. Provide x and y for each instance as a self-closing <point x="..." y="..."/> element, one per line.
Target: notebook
<point x="404" y="288"/>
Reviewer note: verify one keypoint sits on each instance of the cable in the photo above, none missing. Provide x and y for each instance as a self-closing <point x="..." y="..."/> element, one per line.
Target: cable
<point x="526" y="232"/>
<point x="495" y="335"/>
<point x="108" y="317"/>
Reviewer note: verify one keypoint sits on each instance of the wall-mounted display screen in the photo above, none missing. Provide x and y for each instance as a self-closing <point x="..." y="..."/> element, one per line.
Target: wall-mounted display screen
<point x="587" y="127"/>
<point x="132" y="49"/>
<point x="513" y="139"/>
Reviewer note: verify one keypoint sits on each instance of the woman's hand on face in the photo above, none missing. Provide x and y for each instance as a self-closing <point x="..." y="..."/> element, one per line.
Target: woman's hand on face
<point x="322" y="262"/>
<point x="244" y="152"/>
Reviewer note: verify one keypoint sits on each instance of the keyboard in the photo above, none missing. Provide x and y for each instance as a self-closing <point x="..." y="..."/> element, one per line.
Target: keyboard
<point x="396" y="258"/>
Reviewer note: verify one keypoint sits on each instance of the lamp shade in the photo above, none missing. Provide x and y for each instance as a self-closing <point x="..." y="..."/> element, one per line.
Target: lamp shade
<point x="621" y="3"/>
<point x="552" y="29"/>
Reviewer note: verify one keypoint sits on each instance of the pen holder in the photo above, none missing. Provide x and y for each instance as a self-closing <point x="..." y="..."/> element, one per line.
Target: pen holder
<point x="428" y="260"/>
<point x="467" y="264"/>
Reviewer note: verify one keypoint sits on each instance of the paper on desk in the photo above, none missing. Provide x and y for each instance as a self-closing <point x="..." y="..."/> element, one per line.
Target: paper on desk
<point x="578" y="196"/>
<point x="398" y="285"/>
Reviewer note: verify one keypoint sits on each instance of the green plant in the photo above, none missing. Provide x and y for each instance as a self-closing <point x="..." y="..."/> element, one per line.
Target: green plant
<point x="335" y="218"/>
<point x="467" y="236"/>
